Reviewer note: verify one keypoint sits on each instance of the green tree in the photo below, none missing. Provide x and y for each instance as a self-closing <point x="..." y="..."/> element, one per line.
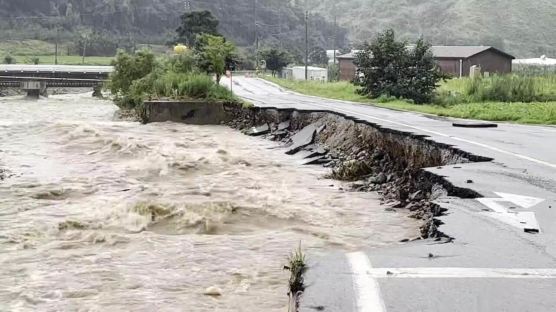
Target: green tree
<point x="422" y="73"/>
<point x="387" y="67"/>
<point x="194" y="24"/>
<point x="275" y="60"/>
<point x="318" y="57"/>
<point x="128" y="68"/>
<point x="213" y="52"/>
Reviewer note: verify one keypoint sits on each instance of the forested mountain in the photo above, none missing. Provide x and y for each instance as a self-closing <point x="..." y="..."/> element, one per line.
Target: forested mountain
<point x="277" y="22"/>
<point x="523" y="28"/>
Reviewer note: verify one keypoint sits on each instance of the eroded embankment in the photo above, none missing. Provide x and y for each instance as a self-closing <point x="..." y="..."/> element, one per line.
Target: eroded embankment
<point x="374" y="158"/>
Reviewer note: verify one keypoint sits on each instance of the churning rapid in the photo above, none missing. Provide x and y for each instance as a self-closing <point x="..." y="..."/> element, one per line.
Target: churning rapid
<point x="104" y="215"/>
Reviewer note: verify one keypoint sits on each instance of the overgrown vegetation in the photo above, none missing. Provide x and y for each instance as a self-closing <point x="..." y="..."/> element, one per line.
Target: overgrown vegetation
<point x="520" y="112"/>
<point x="386" y="67"/>
<point x="140" y="76"/>
<point x="506" y="88"/>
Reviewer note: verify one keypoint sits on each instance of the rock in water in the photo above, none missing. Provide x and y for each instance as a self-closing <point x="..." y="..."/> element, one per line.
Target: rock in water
<point x="213" y="291"/>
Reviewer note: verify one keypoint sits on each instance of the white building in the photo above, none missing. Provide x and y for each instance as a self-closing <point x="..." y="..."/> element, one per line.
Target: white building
<point x="298" y="73"/>
<point x="541" y="61"/>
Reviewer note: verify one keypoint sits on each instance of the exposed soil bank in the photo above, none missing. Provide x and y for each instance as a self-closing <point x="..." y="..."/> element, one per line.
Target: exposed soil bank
<point x="375" y="158"/>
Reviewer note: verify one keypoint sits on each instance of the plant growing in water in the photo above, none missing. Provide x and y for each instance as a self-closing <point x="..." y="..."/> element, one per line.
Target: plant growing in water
<point x="297" y="267"/>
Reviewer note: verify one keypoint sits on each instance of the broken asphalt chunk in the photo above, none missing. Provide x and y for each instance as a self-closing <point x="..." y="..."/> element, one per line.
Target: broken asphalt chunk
<point x="260" y="130"/>
<point x="303" y="138"/>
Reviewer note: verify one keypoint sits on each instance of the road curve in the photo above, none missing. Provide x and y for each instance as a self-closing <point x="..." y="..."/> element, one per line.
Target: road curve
<point x="492" y="265"/>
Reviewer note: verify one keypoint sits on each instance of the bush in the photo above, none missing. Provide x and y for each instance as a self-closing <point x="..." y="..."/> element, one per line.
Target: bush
<point x="128" y="68"/>
<point x="182" y="63"/>
<point x="8" y="59"/>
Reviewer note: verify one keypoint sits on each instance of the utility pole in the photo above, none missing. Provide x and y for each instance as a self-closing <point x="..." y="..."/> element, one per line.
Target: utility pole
<point x="306" y="44"/>
<point x="256" y="36"/>
<point x="56" y="46"/>
<point x="187" y="6"/>
<point x="335" y="35"/>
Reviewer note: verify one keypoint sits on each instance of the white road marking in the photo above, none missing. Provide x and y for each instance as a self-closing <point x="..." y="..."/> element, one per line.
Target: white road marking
<point x="367" y="291"/>
<point x="525" y="220"/>
<point x="462" y="273"/>
<point x="523" y="201"/>
<point x="492" y="148"/>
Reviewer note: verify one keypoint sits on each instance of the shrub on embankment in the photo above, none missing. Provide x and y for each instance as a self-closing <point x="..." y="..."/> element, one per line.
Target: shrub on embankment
<point x="140" y="76"/>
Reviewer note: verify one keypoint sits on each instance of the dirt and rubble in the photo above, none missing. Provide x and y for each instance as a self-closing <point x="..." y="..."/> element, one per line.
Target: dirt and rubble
<point x="373" y="158"/>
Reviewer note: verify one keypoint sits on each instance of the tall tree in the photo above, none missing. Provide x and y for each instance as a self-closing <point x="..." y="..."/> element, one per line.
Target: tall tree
<point x="387" y="67"/>
<point x="196" y="23"/>
<point x="318" y="56"/>
<point x="275" y="60"/>
<point x="213" y="53"/>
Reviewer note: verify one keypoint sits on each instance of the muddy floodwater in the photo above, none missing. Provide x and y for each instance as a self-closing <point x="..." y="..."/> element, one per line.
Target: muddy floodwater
<point x="104" y="215"/>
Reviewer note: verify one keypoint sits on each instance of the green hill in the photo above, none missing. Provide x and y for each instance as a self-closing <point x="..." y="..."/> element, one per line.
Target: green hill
<point x="278" y="23"/>
<point x="523" y="28"/>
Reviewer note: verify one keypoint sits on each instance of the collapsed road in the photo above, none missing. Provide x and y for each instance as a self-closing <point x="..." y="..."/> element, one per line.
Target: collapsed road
<point x="500" y="254"/>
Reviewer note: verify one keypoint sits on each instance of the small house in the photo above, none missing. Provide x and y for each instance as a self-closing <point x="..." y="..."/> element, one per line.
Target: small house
<point x="452" y="60"/>
<point x="458" y="60"/>
<point x="346" y="66"/>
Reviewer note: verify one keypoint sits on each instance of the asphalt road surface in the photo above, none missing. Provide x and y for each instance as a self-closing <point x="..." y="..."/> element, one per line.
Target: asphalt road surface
<point x="493" y="264"/>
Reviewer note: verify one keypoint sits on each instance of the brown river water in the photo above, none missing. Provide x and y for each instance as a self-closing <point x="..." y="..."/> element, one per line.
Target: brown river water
<point x="104" y="215"/>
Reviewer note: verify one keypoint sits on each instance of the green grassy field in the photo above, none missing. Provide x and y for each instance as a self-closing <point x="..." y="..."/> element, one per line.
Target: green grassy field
<point x="70" y="60"/>
<point x="25" y="51"/>
<point x="527" y="113"/>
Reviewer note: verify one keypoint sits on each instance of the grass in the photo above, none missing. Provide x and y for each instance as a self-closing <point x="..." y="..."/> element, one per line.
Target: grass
<point x="25" y="51"/>
<point x="297" y="266"/>
<point x="518" y="112"/>
<point x="68" y="60"/>
<point x="27" y="48"/>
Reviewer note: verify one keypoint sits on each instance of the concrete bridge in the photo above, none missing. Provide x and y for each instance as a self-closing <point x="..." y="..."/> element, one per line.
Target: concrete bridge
<point x="35" y="79"/>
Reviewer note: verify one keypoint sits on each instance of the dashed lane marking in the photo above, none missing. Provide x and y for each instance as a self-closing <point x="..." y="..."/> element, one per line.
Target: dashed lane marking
<point x="367" y="291"/>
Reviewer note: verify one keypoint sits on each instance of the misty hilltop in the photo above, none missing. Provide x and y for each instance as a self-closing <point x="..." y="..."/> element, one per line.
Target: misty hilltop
<point x="519" y="27"/>
<point x="277" y="23"/>
<point x="523" y="28"/>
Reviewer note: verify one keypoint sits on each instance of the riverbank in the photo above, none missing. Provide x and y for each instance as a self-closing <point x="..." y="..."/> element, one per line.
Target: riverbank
<point x="524" y="113"/>
<point x="372" y="158"/>
<point x="99" y="211"/>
